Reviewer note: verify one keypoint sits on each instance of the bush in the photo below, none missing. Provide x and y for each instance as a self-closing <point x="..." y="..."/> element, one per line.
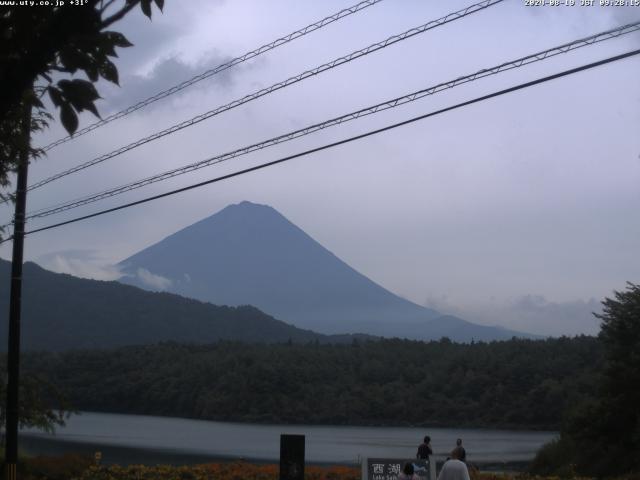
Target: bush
<point x="553" y="459"/>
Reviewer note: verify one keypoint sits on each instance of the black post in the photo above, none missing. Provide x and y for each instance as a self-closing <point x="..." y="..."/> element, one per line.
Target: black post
<point x="13" y="358"/>
<point x="291" y="457"/>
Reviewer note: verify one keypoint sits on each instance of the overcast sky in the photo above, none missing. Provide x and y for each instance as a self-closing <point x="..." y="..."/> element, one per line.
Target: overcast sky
<point x="520" y="211"/>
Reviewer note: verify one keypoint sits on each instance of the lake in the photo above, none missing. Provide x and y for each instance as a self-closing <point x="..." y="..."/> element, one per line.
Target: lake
<point x="149" y="439"/>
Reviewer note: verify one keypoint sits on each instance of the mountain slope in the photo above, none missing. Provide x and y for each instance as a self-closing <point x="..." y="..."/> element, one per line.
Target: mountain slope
<point x="62" y="312"/>
<point x="251" y="254"/>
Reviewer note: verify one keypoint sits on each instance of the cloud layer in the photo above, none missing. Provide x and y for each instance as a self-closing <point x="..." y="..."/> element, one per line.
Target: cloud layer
<point x="532" y="192"/>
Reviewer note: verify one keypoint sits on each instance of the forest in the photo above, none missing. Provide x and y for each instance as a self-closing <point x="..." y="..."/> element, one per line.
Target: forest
<point x="514" y="384"/>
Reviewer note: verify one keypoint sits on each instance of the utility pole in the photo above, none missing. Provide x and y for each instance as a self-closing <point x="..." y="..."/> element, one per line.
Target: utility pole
<point x="13" y="358"/>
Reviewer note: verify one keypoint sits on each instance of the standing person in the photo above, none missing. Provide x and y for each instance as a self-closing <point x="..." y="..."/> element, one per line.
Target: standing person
<point x="454" y="469"/>
<point x="424" y="450"/>
<point x="462" y="452"/>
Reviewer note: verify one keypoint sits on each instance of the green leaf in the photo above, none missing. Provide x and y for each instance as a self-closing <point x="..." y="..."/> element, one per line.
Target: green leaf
<point x="69" y="60"/>
<point x="68" y="118"/>
<point x="146" y="7"/>
<point x="81" y="94"/>
<point x="117" y="39"/>
<point x="106" y="45"/>
<point x="92" y="72"/>
<point x="109" y="72"/>
<point x="77" y="90"/>
<point x="160" y="4"/>
<point x="55" y="95"/>
<point x="37" y="103"/>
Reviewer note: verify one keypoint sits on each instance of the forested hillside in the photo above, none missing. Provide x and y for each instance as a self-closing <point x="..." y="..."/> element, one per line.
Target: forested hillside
<point x="61" y="312"/>
<point x="517" y="383"/>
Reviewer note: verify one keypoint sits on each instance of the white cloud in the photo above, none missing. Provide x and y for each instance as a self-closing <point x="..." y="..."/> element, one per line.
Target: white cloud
<point x="151" y="280"/>
<point x="79" y="263"/>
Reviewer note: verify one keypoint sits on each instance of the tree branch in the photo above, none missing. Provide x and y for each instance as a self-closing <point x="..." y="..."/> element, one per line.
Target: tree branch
<point x="120" y="14"/>
<point x="103" y="8"/>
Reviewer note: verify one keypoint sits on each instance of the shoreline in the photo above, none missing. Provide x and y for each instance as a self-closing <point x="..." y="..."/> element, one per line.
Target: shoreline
<point x="118" y="455"/>
<point x="506" y="427"/>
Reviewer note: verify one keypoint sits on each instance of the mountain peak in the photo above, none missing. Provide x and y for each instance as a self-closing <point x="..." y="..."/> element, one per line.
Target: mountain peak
<point x="245" y="212"/>
<point x="248" y="253"/>
<point x="246" y="205"/>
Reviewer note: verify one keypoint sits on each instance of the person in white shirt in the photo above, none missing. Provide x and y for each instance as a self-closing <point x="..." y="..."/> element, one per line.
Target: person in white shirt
<point x="454" y="469"/>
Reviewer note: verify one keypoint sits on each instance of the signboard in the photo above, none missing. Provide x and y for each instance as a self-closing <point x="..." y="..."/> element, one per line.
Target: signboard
<point x="390" y="468"/>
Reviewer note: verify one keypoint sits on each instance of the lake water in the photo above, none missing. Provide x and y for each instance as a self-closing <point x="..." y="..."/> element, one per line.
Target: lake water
<point x="182" y="440"/>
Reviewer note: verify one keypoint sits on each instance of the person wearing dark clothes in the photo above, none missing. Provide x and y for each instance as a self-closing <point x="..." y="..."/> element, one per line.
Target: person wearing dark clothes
<point x="408" y="472"/>
<point x="424" y="450"/>
<point x="462" y="453"/>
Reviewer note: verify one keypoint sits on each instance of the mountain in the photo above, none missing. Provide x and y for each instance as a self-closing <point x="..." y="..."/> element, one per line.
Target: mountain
<point x="61" y="312"/>
<point x="251" y="254"/>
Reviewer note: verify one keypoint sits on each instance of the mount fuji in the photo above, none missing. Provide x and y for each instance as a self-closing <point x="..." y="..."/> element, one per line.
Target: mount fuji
<point x="250" y="254"/>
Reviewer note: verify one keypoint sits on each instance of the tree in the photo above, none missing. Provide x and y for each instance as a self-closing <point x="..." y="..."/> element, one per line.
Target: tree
<point x="620" y="335"/>
<point x="620" y="389"/>
<point x="601" y="436"/>
<point x="42" y="405"/>
<point x="42" y="50"/>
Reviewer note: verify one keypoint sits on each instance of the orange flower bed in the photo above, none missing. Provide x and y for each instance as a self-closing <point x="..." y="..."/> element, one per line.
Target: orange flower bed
<point x="214" y="471"/>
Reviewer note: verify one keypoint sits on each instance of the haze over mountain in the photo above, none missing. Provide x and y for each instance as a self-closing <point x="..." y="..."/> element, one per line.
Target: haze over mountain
<point x="62" y="312"/>
<point x="251" y="254"/>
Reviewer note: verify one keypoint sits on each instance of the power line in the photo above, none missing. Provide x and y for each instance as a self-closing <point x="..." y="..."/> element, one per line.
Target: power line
<point x="389" y="104"/>
<point x="220" y="68"/>
<point x="277" y="86"/>
<point x="344" y="141"/>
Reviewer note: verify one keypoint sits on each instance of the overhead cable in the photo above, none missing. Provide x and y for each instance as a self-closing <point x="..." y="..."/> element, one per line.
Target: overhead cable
<point x="342" y="142"/>
<point x="220" y="68"/>
<point x="389" y="104"/>
<point x="277" y="86"/>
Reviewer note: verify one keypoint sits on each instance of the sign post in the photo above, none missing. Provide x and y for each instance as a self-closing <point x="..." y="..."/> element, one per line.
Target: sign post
<point x="291" y="457"/>
<point x="390" y="468"/>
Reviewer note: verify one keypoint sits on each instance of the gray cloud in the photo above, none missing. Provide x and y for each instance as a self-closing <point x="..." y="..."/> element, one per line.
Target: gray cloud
<point x="165" y="74"/>
<point x="529" y="313"/>
<point x="623" y="15"/>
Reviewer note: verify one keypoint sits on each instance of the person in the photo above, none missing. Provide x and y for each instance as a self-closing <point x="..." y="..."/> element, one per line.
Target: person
<point x="462" y="453"/>
<point x="408" y="472"/>
<point x="424" y="450"/>
<point x="454" y="469"/>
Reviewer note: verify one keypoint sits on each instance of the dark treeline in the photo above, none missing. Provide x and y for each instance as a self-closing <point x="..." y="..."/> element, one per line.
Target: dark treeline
<point x="512" y="384"/>
<point x="600" y="436"/>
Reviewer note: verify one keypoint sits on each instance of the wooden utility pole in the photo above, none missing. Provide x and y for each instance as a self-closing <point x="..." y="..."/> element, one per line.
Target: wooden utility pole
<point x="13" y="358"/>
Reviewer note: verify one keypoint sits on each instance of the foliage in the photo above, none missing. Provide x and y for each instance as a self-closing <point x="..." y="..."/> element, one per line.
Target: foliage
<point x="37" y="396"/>
<point x="63" y="467"/>
<point x="518" y="383"/>
<point x="602" y="435"/>
<point x="217" y="471"/>
<point x="620" y="335"/>
<point x="552" y="455"/>
<point x="38" y="44"/>
<point x="42" y="49"/>
<point x="76" y="467"/>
